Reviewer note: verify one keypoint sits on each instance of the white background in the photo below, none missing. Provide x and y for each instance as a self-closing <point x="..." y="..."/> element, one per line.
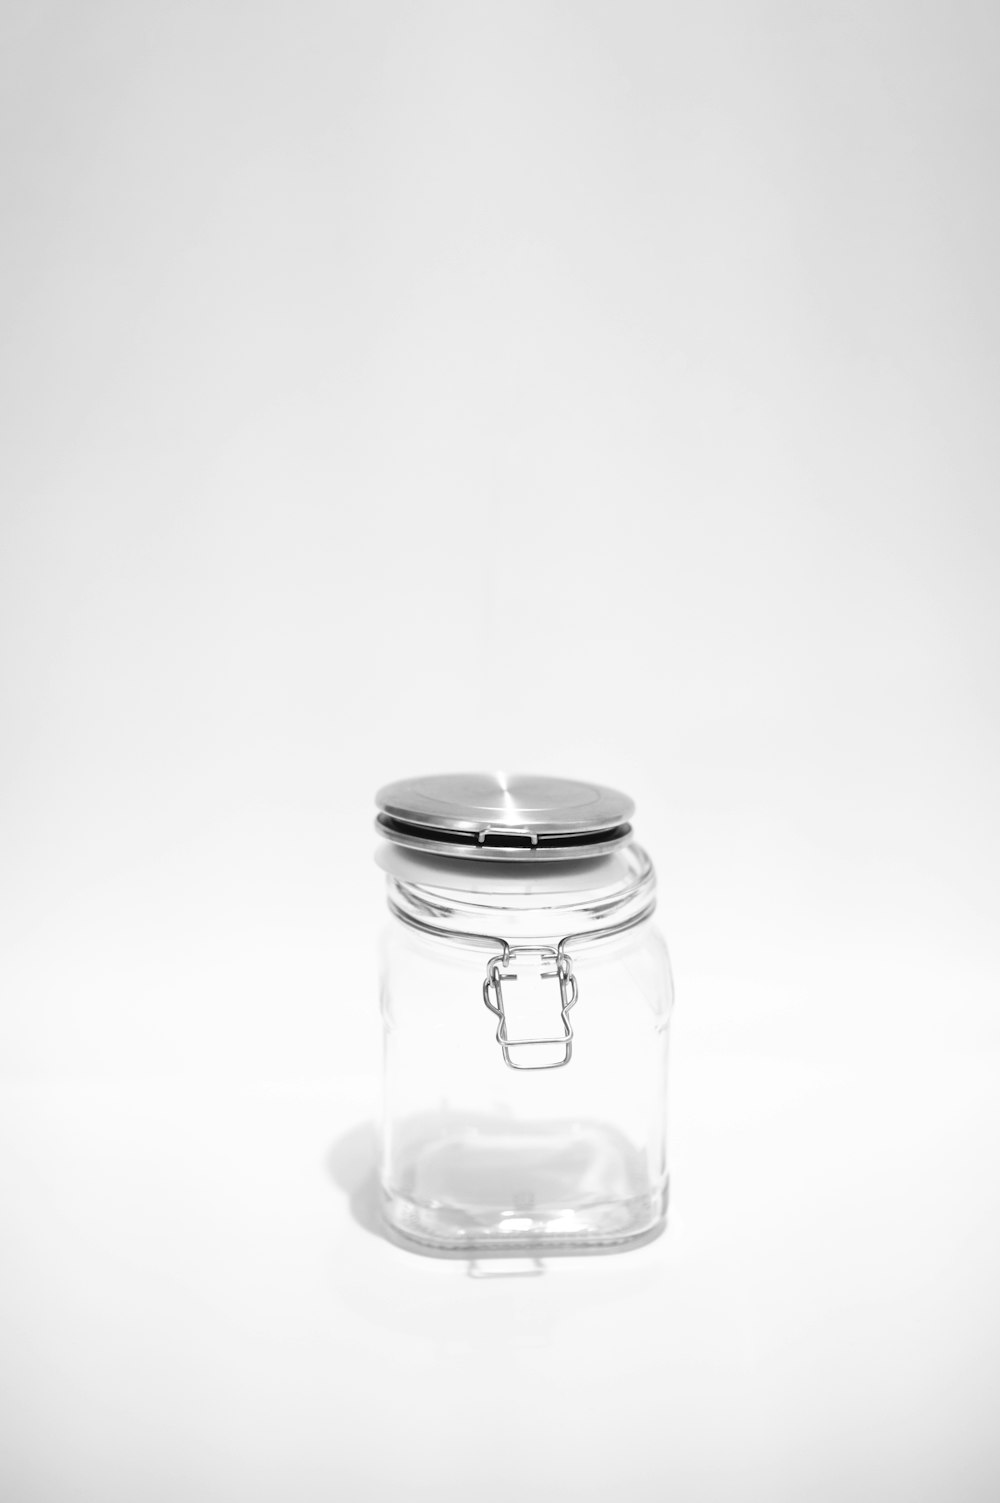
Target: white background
<point x="605" y="390"/>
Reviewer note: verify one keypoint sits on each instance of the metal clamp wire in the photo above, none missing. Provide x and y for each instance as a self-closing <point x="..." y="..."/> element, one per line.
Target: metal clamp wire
<point x="500" y="962"/>
<point x="494" y="941"/>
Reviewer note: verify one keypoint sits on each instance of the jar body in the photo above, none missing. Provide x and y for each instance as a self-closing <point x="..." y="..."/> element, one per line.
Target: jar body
<point x="483" y="1150"/>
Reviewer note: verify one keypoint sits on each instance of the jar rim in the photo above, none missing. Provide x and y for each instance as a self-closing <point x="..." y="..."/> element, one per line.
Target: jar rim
<point x="446" y="900"/>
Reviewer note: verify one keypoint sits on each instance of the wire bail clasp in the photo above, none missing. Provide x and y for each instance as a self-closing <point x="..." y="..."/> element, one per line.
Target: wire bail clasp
<point x="497" y="972"/>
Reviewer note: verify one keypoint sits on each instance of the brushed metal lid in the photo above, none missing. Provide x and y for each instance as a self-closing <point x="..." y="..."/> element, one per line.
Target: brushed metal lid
<point x="497" y="816"/>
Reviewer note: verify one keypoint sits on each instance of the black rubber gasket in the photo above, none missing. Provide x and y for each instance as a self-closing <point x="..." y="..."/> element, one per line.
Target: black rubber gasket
<point x="512" y="840"/>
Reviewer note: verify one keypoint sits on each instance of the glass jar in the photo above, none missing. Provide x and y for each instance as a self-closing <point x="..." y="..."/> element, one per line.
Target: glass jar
<point x="526" y="998"/>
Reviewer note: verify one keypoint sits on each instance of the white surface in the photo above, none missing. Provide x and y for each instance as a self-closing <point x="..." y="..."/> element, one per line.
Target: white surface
<point x="603" y="390"/>
<point x="196" y="1304"/>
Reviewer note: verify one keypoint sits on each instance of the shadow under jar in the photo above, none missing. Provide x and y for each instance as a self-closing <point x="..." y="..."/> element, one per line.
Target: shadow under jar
<point x="526" y="998"/>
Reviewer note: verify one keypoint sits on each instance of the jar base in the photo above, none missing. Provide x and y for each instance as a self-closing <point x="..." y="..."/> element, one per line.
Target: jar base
<point x="608" y="1229"/>
<point x="482" y="1184"/>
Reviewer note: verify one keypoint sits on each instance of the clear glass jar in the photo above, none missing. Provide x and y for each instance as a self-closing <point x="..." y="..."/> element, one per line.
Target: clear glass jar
<point x="526" y="1004"/>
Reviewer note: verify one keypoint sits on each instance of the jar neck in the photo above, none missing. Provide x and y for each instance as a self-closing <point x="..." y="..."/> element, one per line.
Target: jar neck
<point x="600" y="897"/>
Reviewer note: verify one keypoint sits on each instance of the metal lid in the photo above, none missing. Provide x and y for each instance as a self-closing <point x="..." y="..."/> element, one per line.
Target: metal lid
<point x="495" y="816"/>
